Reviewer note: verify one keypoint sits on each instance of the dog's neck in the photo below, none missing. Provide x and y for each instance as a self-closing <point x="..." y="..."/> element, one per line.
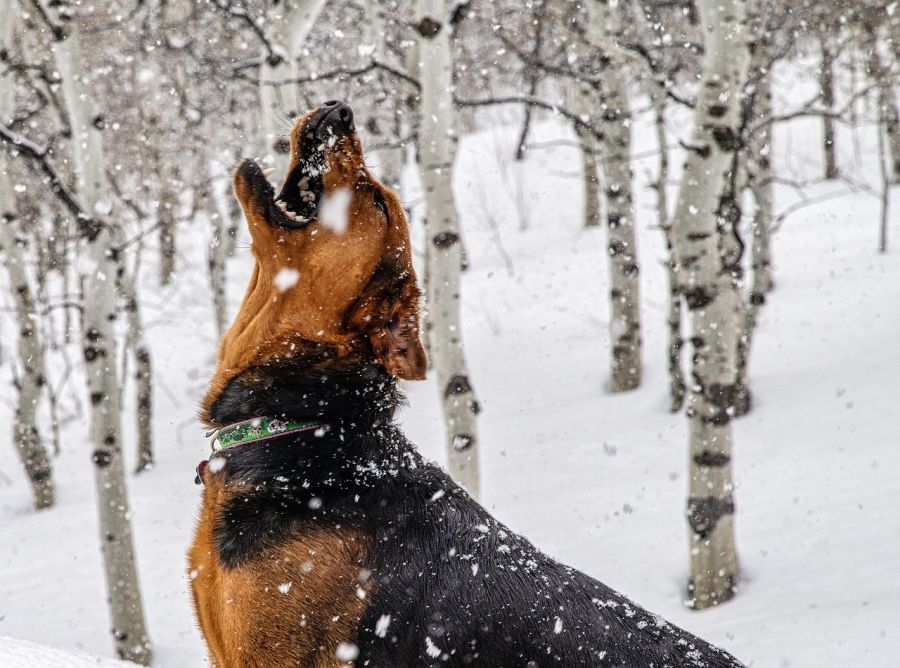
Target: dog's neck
<point x="348" y="392"/>
<point x="351" y="402"/>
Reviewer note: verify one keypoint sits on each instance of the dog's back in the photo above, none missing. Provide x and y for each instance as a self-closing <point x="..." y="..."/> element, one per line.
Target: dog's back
<point x="463" y="590"/>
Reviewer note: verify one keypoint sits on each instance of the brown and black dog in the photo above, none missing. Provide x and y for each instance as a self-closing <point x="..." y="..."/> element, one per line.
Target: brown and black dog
<point x="327" y="540"/>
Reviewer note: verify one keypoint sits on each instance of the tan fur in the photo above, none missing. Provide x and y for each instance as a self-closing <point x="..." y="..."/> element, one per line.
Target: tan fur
<point x="248" y="622"/>
<point x="334" y="270"/>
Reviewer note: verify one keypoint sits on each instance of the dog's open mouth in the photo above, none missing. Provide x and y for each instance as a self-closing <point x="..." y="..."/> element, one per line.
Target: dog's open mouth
<point x="297" y="205"/>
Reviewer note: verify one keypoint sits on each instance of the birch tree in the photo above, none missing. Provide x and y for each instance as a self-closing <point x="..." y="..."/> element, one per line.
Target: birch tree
<point x="579" y="96"/>
<point x="826" y="86"/>
<point x="437" y="134"/>
<point x="624" y="284"/>
<point x="99" y="277"/>
<point x="889" y="115"/>
<point x="288" y="23"/>
<point x="675" y="339"/>
<point x="136" y="343"/>
<point x="760" y="179"/>
<point x="383" y="121"/>
<point x="32" y="378"/>
<point x="713" y="301"/>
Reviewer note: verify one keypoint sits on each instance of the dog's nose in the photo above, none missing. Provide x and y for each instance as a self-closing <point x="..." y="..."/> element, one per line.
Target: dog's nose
<point x="339" y="113"/>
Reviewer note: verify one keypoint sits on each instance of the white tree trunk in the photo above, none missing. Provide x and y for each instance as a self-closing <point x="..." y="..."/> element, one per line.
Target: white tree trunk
<point x="590" y="177"/>
<point x="288" y="25"/>
<point x="216" y="256"/>
<point x="677" y="385"/>
<point x="166" y="220"/>
<point x="436" y="137"/>
<point x="713" y="300"/>
<point x="143" y="361"/>
<point x="624" y="282"/>
<point x="100" y="349"/>
<point x="31" y="355"/>
<point x="760" y="181"/>
<point x="889" y="115"/>
<point x="31" y="349"/>
<point x="383" y="122"/>
<point x="826" y="84"/>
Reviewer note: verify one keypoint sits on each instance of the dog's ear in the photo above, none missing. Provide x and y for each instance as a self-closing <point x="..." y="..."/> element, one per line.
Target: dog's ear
<point x="397" y="344"/>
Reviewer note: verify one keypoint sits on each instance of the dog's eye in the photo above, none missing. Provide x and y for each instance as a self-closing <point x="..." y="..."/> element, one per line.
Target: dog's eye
<point x="381" y="204"/>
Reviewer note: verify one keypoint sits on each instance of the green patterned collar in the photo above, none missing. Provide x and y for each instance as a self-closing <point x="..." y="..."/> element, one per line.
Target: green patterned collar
<point x="258" y="429"/>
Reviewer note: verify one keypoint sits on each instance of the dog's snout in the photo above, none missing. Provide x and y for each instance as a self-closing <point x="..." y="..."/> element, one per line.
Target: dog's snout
<point x="339" y="113"/>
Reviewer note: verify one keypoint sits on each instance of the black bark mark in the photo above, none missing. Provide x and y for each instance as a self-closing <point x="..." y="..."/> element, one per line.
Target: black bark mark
<point x="712" y="459"/>
<point x="721" y="398"/>
<point x="704" y="513"/>
<point x="457" y="385"/>
<point x="428" y="27"/>
<point x="698" y="297"/>
<point x="445" y="239"/>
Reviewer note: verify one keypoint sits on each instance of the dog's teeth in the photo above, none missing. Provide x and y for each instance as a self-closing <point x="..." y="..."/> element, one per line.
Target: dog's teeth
<point x="281" y="205"/>
<point x="268" y="171"/>
<point x="303" y="183"/>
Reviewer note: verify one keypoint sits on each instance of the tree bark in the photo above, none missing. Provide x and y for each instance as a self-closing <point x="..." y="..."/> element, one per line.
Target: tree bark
<point x="290" y="23"/>
<point x="590" y="178"/>
<point x="100" y="348"/>
<point x="889" y="116"/>
<point x="624" y="282"/>
<point x="677" y="385"/>
<point x="143" y="375"/>
<point x="760" y="182"/>
<point x="437" y="132"/>
<point x="166" y="217"/>
<point x="216" y="256"/>
<point x="31" y="383"/>
<point x="826" y="83"/>
<point x="25" y="433"/>
<point x="713" y="301"/>
<point x="383" y="122"/>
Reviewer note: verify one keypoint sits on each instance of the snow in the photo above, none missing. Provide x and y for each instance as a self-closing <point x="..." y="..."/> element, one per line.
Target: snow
<point x="594" y="479"/>
<point x="381" y="626"/>
<point x="431" y="649"/>
<point x="286" y="278"/>
<point x="16" y="653"/>
<point x="346" y="651"/>
<point x="334" y="209"/>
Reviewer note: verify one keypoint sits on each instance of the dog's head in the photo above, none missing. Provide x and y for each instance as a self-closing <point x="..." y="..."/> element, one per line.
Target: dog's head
<point x="333" y="259"/>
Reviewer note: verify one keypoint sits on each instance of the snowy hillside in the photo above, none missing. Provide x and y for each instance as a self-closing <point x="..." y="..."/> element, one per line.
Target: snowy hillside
<point x="593" y="479"/>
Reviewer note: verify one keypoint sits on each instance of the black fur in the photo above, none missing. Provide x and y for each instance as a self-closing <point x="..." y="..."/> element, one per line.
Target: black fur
<point x="460" y="588"/>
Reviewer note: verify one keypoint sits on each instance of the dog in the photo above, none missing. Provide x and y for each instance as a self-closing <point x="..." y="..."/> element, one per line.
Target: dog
<point x="324" y="538"/>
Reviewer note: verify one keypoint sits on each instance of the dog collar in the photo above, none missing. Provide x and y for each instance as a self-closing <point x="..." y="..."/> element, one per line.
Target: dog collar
<point x="257" y="429"/>
<point x="253" y="430"/>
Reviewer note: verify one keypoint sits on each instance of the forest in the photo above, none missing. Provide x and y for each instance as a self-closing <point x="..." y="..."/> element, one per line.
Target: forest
<point x="655" y="242"/>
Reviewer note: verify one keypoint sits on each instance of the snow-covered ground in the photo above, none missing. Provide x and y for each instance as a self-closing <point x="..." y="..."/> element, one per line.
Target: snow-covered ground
<point x="17" y="653"/>
<point x="594" y="479"/>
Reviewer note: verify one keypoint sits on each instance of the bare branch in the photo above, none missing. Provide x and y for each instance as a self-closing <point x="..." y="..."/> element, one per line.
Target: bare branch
<point x="534" y="102"/>
<point x="348" y="72"/>
<point x="16" y="143"/>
